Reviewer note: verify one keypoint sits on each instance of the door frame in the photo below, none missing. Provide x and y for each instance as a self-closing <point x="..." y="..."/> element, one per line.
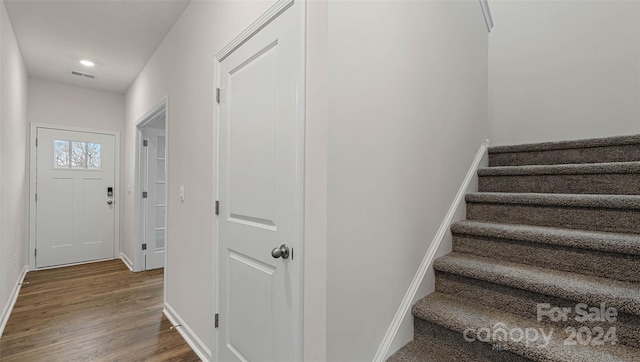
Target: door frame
<point x="33" y="185"/>
<point x="138" y="210"/>
<point x="271" y="14"/>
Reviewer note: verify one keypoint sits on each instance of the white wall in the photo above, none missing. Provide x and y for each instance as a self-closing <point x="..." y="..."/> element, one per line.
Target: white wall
<point x="563" y="70"/>
<point x="407" y="112"/>
<point x="182" y="68"/>
<point x="14" y="178"/>
<point x="73" y="106"/>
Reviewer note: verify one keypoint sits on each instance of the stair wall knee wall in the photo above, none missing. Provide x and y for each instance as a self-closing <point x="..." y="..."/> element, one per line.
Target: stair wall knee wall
<point x="400" y="330"/>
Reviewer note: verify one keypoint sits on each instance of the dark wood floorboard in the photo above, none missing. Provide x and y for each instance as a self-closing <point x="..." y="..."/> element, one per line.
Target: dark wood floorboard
<point x="92" y="312"/>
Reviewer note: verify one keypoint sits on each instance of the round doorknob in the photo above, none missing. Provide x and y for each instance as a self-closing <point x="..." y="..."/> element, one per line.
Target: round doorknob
<point x="281" y="252"/>
<point x="109" y="202"/>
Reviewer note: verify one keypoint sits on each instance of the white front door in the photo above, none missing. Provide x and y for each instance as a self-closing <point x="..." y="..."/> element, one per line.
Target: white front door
<point x="260" y="178"/>
<point x="75" y="205"/>
<point x="155" y="203"/>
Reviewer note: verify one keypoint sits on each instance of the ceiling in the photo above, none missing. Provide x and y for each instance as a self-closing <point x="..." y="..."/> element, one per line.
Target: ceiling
<point x="119" y="36"/>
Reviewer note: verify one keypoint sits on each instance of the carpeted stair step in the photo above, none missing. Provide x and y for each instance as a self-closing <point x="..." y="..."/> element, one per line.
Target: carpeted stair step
<point x="434" y="343"/>
<point x="520" y="289"/>
<point x="429" y="350"/>
<point x="598" y="150"/>
<point x="525" y="303"/>
<point x="426" y="351"/>
<point x="623" y="296"/>
<point x="610" y="213"/>
<point x="466" y="318"/>
<point x="602" y="254"/>
<point x="618" y="178"/>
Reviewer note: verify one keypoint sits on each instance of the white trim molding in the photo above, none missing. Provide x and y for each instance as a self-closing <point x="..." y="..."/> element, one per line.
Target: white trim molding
<point x="264" y="20"/>
<point x="487" y="14"/>
<point x="429" y="257"/>
<point x="138" y="255"/>
<point x="196" y="344"/>
<point x="126" y="261"/>
<point x="6" y="312"/>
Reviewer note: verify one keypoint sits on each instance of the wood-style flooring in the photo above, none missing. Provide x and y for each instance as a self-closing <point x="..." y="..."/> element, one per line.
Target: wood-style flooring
<point x="92" y="312"/>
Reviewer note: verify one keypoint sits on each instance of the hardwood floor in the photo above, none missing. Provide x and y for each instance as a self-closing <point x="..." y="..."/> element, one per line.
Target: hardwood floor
<point x="92" y="312"/>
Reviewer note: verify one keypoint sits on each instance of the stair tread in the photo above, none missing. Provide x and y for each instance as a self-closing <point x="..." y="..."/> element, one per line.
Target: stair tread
<point x="562" y="200"/>
<point x="426" y="350"/>
<point x="582" y="288"/>
<point x="592" y="240"/>
<point x="562" y="169"/>
<point x="566" y="145"/>
<point x="465" y="316"/>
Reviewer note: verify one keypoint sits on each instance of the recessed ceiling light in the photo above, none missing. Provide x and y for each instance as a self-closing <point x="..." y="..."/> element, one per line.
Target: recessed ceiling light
<point x="87" y="63"/>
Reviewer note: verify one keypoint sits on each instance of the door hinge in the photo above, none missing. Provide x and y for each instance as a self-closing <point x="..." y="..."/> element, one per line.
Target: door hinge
<point x="144" y="246"/>
<point x="215" y="321"/>
<point x="144" y="194"/>
<point x="36" y="142"/>
<point x="217" y="207"/>
<point x="36" y="197"/>
<point x="145" y="143"/>
<point x="218" y="95"/>
<point x="35" y="252"/>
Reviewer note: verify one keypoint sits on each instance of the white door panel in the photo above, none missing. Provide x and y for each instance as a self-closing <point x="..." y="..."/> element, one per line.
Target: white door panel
<point x="92" y="199"/>
<point x="74" y="220"/>
<point x="252" y="144"/>
<point x="260" y="199"/>
<point x="59" y="222"/>
<point x="250" y="280"/>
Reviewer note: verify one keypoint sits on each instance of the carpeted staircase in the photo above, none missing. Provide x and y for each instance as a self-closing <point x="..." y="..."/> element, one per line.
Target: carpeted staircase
<point x="555" y="223"/>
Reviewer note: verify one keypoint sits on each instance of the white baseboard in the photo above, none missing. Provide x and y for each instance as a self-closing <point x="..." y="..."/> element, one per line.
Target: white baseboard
<point x="6" y="312"/>
<point x="126" y="261"/>
<point x="187" y="333"/>
<point x="427" y="261"/>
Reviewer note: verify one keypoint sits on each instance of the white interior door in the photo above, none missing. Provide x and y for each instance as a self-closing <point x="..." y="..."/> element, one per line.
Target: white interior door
<point x="260" y="195"/>
<point x="155" y="203"/>
<point x="75" y="214"/>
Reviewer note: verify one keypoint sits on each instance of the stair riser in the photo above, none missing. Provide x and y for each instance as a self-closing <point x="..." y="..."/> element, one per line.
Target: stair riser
<point x="525" y="303"/>
<point x="593" y="219"/>
<point x="609" y="265"/>
<point x="610" y="184"/>
<point x="623" y="153"/>
<point x="424" y="330"/>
